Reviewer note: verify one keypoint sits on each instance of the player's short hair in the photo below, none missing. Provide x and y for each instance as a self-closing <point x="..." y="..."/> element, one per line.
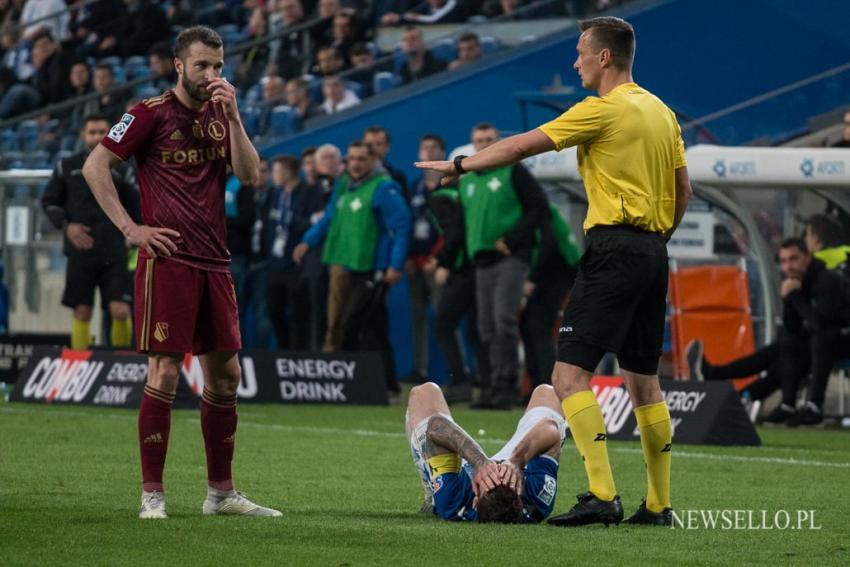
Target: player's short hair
<point x="434" y="137"/>
<point x="195" y="34"/>
<point x="827" y="229"/>
<point x="795" y="241"/>
<point x="94" y="117"/>
<point x="501" y="505"/>
<point x="361" y="144"/>
<point x="614" y="34"/>
<point x="377" y="129"/>
<point x="289" y="162"/>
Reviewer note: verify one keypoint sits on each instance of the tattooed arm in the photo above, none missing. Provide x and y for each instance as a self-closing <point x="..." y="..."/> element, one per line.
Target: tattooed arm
<point x="447" y="437"/>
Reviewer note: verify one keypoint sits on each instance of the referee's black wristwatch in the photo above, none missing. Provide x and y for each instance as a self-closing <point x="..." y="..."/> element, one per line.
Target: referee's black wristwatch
<point x="458" y="167"/>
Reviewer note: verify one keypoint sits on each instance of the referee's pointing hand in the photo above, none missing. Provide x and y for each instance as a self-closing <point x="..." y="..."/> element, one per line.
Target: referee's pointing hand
<point x="447" y="168"/>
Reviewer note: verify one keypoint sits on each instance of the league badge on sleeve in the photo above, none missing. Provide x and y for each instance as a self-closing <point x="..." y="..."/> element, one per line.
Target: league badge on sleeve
<point x="116" y="133"/>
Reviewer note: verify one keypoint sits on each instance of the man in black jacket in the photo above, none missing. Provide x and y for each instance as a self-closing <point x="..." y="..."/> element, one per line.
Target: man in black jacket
<point x="96" y="250"/>
<point x="816" y="321"/>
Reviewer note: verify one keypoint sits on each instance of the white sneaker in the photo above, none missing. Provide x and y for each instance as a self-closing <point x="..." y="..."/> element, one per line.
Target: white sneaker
<point x="236" y="504"/>
<point x="153" y="506"/>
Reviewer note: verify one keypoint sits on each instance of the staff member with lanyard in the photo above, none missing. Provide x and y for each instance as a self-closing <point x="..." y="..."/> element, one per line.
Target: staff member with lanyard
<point x="632" y="160"/>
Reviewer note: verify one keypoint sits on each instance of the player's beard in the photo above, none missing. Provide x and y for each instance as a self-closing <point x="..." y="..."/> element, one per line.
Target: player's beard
<point x="195" y="90"/>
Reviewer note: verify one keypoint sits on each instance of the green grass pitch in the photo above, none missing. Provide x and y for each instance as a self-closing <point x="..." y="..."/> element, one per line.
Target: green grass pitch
<point x="69" y="494"/>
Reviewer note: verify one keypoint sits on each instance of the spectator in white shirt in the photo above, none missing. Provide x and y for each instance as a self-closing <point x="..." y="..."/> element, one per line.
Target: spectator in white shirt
<point x="337" y="96"/>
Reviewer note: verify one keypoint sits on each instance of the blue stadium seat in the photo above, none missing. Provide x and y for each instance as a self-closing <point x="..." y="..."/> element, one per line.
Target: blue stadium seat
<point x="445" y="50"/>
<point x="229" y="33"/>
<point x="251" y="120"/>
<point x="254" y="94"/>
<point x="38" y="160"/>
<point x="315" y="85"/>
<point x="146" y="91"/>
<point x="28" y="135"/>
<point x="384" y="81"/>
<point x="136" y="66"/>
<point x="357" y="88"/>
<point x="9" y="141"/>
<point x="69" y="142"/>
<point x="13" y="160"/>
<point x="489" y="45"/>
<point x="284" y="121"/>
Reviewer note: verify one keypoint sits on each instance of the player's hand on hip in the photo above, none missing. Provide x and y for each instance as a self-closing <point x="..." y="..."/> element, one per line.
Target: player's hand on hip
<point x="441" y="276"/>
<point x="154" y="240"/>
<point x="487" y="477"/>
<point x="299" y="251"/>
<point x="225" y="94"/>
<point x="79" y="236"/>
<point x="446" y="168"/>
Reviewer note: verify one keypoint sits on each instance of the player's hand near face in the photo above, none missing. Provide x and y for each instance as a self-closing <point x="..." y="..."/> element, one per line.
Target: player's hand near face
<point x="225" y="94"/>
<point x="79" y="236"/>
<point x="487" y="477"/>
<point x="154" y="240"/>
<point x="512" y="476"/>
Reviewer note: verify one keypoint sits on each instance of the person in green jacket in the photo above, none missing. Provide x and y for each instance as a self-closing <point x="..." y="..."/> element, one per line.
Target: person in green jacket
<point x="502" y="207"/>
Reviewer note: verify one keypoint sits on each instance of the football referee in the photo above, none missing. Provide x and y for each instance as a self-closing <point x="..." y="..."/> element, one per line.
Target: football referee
<point x="631" y="158"/>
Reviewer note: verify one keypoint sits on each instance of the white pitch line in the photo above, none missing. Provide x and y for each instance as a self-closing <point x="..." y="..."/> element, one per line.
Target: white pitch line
<point x="489" y="440"/>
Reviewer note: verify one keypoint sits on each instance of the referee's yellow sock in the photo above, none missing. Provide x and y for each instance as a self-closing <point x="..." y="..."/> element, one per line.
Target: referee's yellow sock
<point x="656" y="438"/>
<point x="80" y="334"/>
<point x="584" y="417"/>
<point x="121" y="332"/>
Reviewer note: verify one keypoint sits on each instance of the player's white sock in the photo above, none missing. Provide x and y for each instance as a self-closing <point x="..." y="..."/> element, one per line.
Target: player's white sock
<point x="218" y="495"/>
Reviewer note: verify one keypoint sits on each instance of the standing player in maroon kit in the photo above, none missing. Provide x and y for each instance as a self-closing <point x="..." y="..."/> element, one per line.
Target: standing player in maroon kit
<point x="183" y="142"/>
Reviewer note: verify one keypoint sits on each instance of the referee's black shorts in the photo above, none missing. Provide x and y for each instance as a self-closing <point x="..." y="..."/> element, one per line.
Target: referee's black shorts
<point x="618" y="302"/>
<point x="85" y="274"/>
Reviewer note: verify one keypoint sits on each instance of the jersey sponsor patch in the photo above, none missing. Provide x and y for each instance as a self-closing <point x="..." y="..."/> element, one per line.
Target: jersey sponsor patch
<point x="116" y="133"/>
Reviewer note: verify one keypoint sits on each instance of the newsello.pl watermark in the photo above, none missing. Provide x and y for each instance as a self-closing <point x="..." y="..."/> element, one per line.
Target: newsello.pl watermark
<point x="744" y="520"/>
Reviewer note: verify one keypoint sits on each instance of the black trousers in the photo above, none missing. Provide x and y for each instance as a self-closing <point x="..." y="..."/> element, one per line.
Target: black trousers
<point x="365" y="322"/>
<point x="457" y="299"/>
<point x="288" y="303"/>
<point x="541" y="312"/>
<point x="788" y="363"/>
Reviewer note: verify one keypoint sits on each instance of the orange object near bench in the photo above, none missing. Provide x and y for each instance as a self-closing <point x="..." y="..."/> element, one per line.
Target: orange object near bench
<point x="711" y="303"/>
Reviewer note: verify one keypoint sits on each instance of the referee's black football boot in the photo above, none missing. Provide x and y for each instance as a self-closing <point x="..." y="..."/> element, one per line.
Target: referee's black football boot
<point x="646" y="518"/>
<point x="591" y="510"/>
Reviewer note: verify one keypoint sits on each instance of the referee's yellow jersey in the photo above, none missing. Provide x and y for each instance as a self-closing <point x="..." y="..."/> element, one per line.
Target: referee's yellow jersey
<point x="629" y="146"/>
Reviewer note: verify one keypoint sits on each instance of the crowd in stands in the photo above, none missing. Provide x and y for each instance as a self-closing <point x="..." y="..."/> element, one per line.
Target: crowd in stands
<point x="302" y="58"/>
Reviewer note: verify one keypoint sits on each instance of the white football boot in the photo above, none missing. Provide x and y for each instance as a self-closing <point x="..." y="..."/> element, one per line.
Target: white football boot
<point x="153" y="505"/>
<point x="235" y="503"/>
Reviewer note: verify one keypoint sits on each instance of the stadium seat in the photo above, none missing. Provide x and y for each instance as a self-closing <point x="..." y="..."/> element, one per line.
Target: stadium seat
<point x="356" y="88"/>
<point x="445" y="50"/>
<point x="9" y="141"/>
<point x="384" y="81"/>
<point x="315" y="84"/>
<point x="146" y="91"/>
<point x="489" y="45"/>
<point x="254" y="95"/>
<point x="251" y="120"/>
<point x="284" y="121"/>
<point x="135" y="67"/>
<point x="38" y="160"/>
<point x="28" y="135"/>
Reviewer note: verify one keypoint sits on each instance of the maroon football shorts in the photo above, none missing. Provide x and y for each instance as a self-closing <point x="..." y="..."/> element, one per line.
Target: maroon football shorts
<point x="180" y="308"/>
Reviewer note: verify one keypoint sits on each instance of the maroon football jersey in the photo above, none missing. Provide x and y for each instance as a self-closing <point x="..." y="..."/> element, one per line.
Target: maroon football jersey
<point x="182" y="158"/>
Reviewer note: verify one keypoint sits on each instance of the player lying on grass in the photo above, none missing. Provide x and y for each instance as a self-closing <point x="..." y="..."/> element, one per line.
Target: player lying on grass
<point x="517" y="485"/>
